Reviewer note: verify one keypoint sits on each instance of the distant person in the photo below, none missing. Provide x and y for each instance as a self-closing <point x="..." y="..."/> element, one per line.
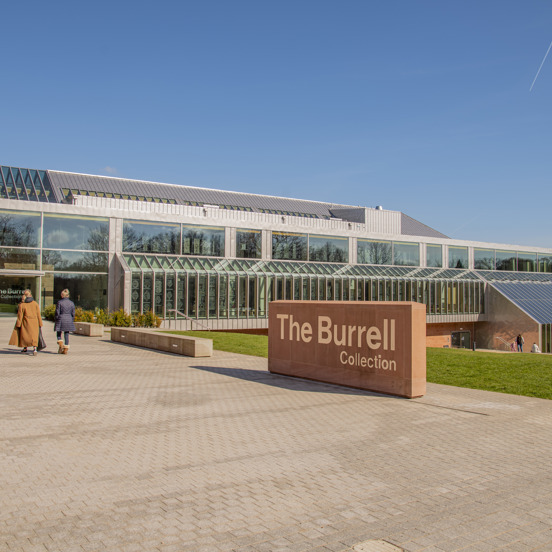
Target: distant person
<point x="513" y="346"/>
<point x="64" y="321"/>
<point x="535" y="348"/>
<point x="520" y="341"/>
<point x="28" y="323"/>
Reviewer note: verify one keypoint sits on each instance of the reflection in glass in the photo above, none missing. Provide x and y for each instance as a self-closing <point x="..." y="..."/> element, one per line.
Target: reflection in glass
<point x="406" y="254"/>
<point x="506" y="260"/>
<point x="458" y="257"/>
<point x="20" y="259"/>
<point x="248" y="244"/>
<point x="288" y="246"/>
<point x="143" y="237"/>
<point x="374" y="252"/>
<point x="19" y="229"/>
<point x="434" y="255"/>
<point x="483" y="259"/>
<point x="545" y="263"/>
<point x="67" y="232"/>
<point x="76" y="261"/>
<point x="527" y="262"/>
<point x="202" y="240"/>
<point x="328" y="249"/>
<point x="11" y="290"/>
<point x="88" y="291"/>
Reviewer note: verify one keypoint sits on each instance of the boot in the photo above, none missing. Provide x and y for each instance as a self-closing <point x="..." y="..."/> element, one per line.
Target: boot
<point x="65" y="349"/>
<point x="60" y="346"/>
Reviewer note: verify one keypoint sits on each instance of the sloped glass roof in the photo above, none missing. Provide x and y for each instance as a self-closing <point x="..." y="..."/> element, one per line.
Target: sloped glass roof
<point x="288" y="268"/>
<point x="534" y="298"/>
<point x="26" y="185"/>
<point x="506" y="276"/>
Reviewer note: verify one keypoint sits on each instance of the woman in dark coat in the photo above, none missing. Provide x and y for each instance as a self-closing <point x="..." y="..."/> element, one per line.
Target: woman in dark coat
<point x="64" y="321"/>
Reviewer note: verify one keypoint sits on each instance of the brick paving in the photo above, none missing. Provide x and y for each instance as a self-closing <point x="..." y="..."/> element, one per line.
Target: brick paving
<point x="124" y="449"/>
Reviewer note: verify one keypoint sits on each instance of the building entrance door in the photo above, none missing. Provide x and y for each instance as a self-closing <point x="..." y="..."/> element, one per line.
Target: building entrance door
<point x="11" y="290"/>
<point x="461" y="340"/>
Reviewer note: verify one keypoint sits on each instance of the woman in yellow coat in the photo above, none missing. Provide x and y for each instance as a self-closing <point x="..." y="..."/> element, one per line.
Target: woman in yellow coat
<point x="28" y="322"/>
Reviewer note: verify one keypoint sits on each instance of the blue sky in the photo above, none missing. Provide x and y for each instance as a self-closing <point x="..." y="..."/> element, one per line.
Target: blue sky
<point x="420" y="106"/>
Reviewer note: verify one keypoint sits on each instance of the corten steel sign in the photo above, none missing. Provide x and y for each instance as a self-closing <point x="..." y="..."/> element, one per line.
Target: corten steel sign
<point x="378" y="346"/>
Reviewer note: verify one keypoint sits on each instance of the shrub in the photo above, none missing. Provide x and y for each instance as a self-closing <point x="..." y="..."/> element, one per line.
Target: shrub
<point x="49" y="313"/>
<point x="120" y="318"/>
<point x="102" y="317"/>
<point x="152" y="320"/>
<point x="83" y="316"/>
<point x="139" y="320"/>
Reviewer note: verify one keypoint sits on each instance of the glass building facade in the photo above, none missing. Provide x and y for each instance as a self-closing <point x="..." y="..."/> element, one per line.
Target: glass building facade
<point x="197" y="254"/>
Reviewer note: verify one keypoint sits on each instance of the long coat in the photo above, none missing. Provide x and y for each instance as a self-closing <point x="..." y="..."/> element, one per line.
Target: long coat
<point x="28" y="322"/>
<point x="65" y="316"/>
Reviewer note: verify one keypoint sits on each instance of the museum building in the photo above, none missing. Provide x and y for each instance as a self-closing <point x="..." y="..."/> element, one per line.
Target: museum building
<point x="204" y="258"/>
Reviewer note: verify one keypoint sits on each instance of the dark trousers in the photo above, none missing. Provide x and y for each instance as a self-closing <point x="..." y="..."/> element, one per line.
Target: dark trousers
<point x="65" y="337"/>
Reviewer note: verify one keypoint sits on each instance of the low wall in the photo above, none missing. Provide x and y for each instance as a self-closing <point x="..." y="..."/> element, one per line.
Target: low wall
<point x="89" y="328"/>
<point x="150" y="339"/>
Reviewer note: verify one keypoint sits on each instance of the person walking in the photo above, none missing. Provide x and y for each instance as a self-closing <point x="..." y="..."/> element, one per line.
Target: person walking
<point x="64" y="321"/>
<point x="28" y="323"/>
<point x="520" y="341"/>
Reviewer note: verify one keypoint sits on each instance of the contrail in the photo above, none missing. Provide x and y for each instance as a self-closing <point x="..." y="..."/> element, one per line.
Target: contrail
<point x="544" y="59"/>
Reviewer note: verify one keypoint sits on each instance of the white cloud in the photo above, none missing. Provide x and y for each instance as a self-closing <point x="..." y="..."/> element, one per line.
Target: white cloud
<point x="110" y="170"/>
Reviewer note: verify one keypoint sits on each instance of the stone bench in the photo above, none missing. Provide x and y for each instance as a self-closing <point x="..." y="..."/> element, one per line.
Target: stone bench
<point x="150" y="339"/>
<point x="89" y="328"/>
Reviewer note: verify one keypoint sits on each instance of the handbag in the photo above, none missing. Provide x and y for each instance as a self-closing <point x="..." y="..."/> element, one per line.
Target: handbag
<point x="41" y="342"/>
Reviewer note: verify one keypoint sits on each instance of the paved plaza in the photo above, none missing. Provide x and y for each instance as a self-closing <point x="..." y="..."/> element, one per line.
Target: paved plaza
<point x="116" y="448"/>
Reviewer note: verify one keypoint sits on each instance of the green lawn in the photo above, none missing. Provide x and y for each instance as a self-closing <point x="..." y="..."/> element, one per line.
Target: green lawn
<point x="514" y="373"/>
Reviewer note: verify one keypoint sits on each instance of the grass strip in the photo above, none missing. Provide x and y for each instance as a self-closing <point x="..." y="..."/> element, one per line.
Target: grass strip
<point x="524" y="374"/>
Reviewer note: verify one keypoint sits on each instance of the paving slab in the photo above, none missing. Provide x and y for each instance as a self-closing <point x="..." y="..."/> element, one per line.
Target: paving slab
<point x="113" y="447"/>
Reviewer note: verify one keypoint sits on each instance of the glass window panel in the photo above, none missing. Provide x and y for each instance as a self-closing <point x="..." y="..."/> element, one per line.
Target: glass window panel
<point x="135" y="293"/>
<point x="88" y="291"/>
<point x="328" y="249"/>
<point x="252" y="297"/>
<point x="458" y="257"/>
<point x="506" y="260"/>
<point x="147" y="293"/>
<point x="262" y="296"/>
<point x="19" y="259"/>
<point x="289" y="246"/>
<point x="202" y="240"/>
<point x="181" y="294"/>
<point x="68" y="232"/>
<point x="483" y="259"/>
<point x="248" y="244"/>
<point x="374" y="252"/>
<point x="192" y="295"/>
<point x="19" y="229"/>
<point x="233" y="296"/>
<point x="406" y="254"/>
<point x="159" y="294"/>
<point x="527" y="262"/>
<point x="213" y="289"/>
<point x="223" y="296"/>
<point x="144" y="237"/>
<point x="11" y="290"/>
<point x="545" y="263"/>
<point x="74" y="261"/>
<point x="202" y="296"/>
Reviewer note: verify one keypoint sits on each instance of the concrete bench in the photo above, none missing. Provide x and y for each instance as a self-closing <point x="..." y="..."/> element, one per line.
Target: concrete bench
<point x="150" y="339"/>
<point x="89" y="328"/>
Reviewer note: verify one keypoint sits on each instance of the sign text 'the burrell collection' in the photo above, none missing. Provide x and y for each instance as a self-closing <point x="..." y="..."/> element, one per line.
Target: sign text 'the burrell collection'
<point x="379" y="346"/>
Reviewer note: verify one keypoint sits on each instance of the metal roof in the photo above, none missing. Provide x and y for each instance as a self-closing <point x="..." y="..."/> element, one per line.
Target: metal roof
<point x="534" y="298"/>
